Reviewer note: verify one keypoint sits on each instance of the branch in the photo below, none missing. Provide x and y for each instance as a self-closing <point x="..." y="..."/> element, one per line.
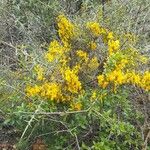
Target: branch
<point x="52" y="113"/>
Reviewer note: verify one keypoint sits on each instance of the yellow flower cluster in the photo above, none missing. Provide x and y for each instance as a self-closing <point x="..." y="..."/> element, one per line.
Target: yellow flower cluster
<point x="120" y="74"/>
<point x="93" y="45"/>
<point x="94" y="27"/>
<point x="113" y="46"/>
<point x="66" y="29"/>
<point x="101" y="81"/>
<point x="78" y="64"/>
<point x="40" y="72"/>
<point x="47" y="90"/>
<point x="55" y="50"/>
<point x="145" y="81"/>
<point x="73" y="83"/>
<point x="140" y="80"/>
<point x="96" y="95"/>
<point x="32" y="91"/>
<point x="117" y="78"/>
<point x="51" y="91"/>
<point x="122" y="64"/>
<point x="110" y="36"/>
<point x="82" y="54"/>
<point x="76" y="106"/>
<point x="133" y="78"/>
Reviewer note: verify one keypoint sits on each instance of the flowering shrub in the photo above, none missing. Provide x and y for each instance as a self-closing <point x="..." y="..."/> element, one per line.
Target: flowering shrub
<point x="87" y="56"/>
<point x="76" y="82"/>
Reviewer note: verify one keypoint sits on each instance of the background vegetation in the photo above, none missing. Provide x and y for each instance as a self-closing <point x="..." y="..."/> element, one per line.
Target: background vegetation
<point x="96" y="117"/>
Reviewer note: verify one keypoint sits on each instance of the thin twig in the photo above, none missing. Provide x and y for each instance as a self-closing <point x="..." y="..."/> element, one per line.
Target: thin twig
<point x="146" y="141"/>
<point x="77" y="141"/>
<point x="30" y="121"/>
<point x="52" y="113"/>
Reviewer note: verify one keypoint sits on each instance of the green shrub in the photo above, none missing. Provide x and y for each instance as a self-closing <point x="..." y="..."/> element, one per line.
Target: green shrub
<point x="74" y="93"/>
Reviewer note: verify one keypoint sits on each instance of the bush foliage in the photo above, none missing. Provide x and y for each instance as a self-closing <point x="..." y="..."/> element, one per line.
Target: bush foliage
<point x="76" y="79"/>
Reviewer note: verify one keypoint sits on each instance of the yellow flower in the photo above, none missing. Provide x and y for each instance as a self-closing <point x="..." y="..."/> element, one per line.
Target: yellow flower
<point x="100" y="79"/>
<point x="102" y="82"/>
<point x="117" y="77"/>
<point x="113" y="46"/>
<point x="64" y="60"/>
<point x="76" y="68"/>
<point x="121" y="64"/>
<point x="104" y="85"/>
<point x="33" y="91"/>
<point x="51" y="91"/>
<point x="110" y="36"/>
<point x="49" y="57"/>
<point x="93" y="45"/>
<point x="65" y="29"/>
<point x="94" y="94"/>
<point x="82" y="54"/>
<point x="133" y="78"/>
<point x="55" y="50"/>
<point x="72" y="80"/>
<point x="76" y="106"/>
<point x="40" y="72"/>
<point x="145" y="82"/>
<point x="94" y="27"/>
<point x="139" y="80"/>
<point x="47" y="90"/>
<point x="74" y="65"/>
